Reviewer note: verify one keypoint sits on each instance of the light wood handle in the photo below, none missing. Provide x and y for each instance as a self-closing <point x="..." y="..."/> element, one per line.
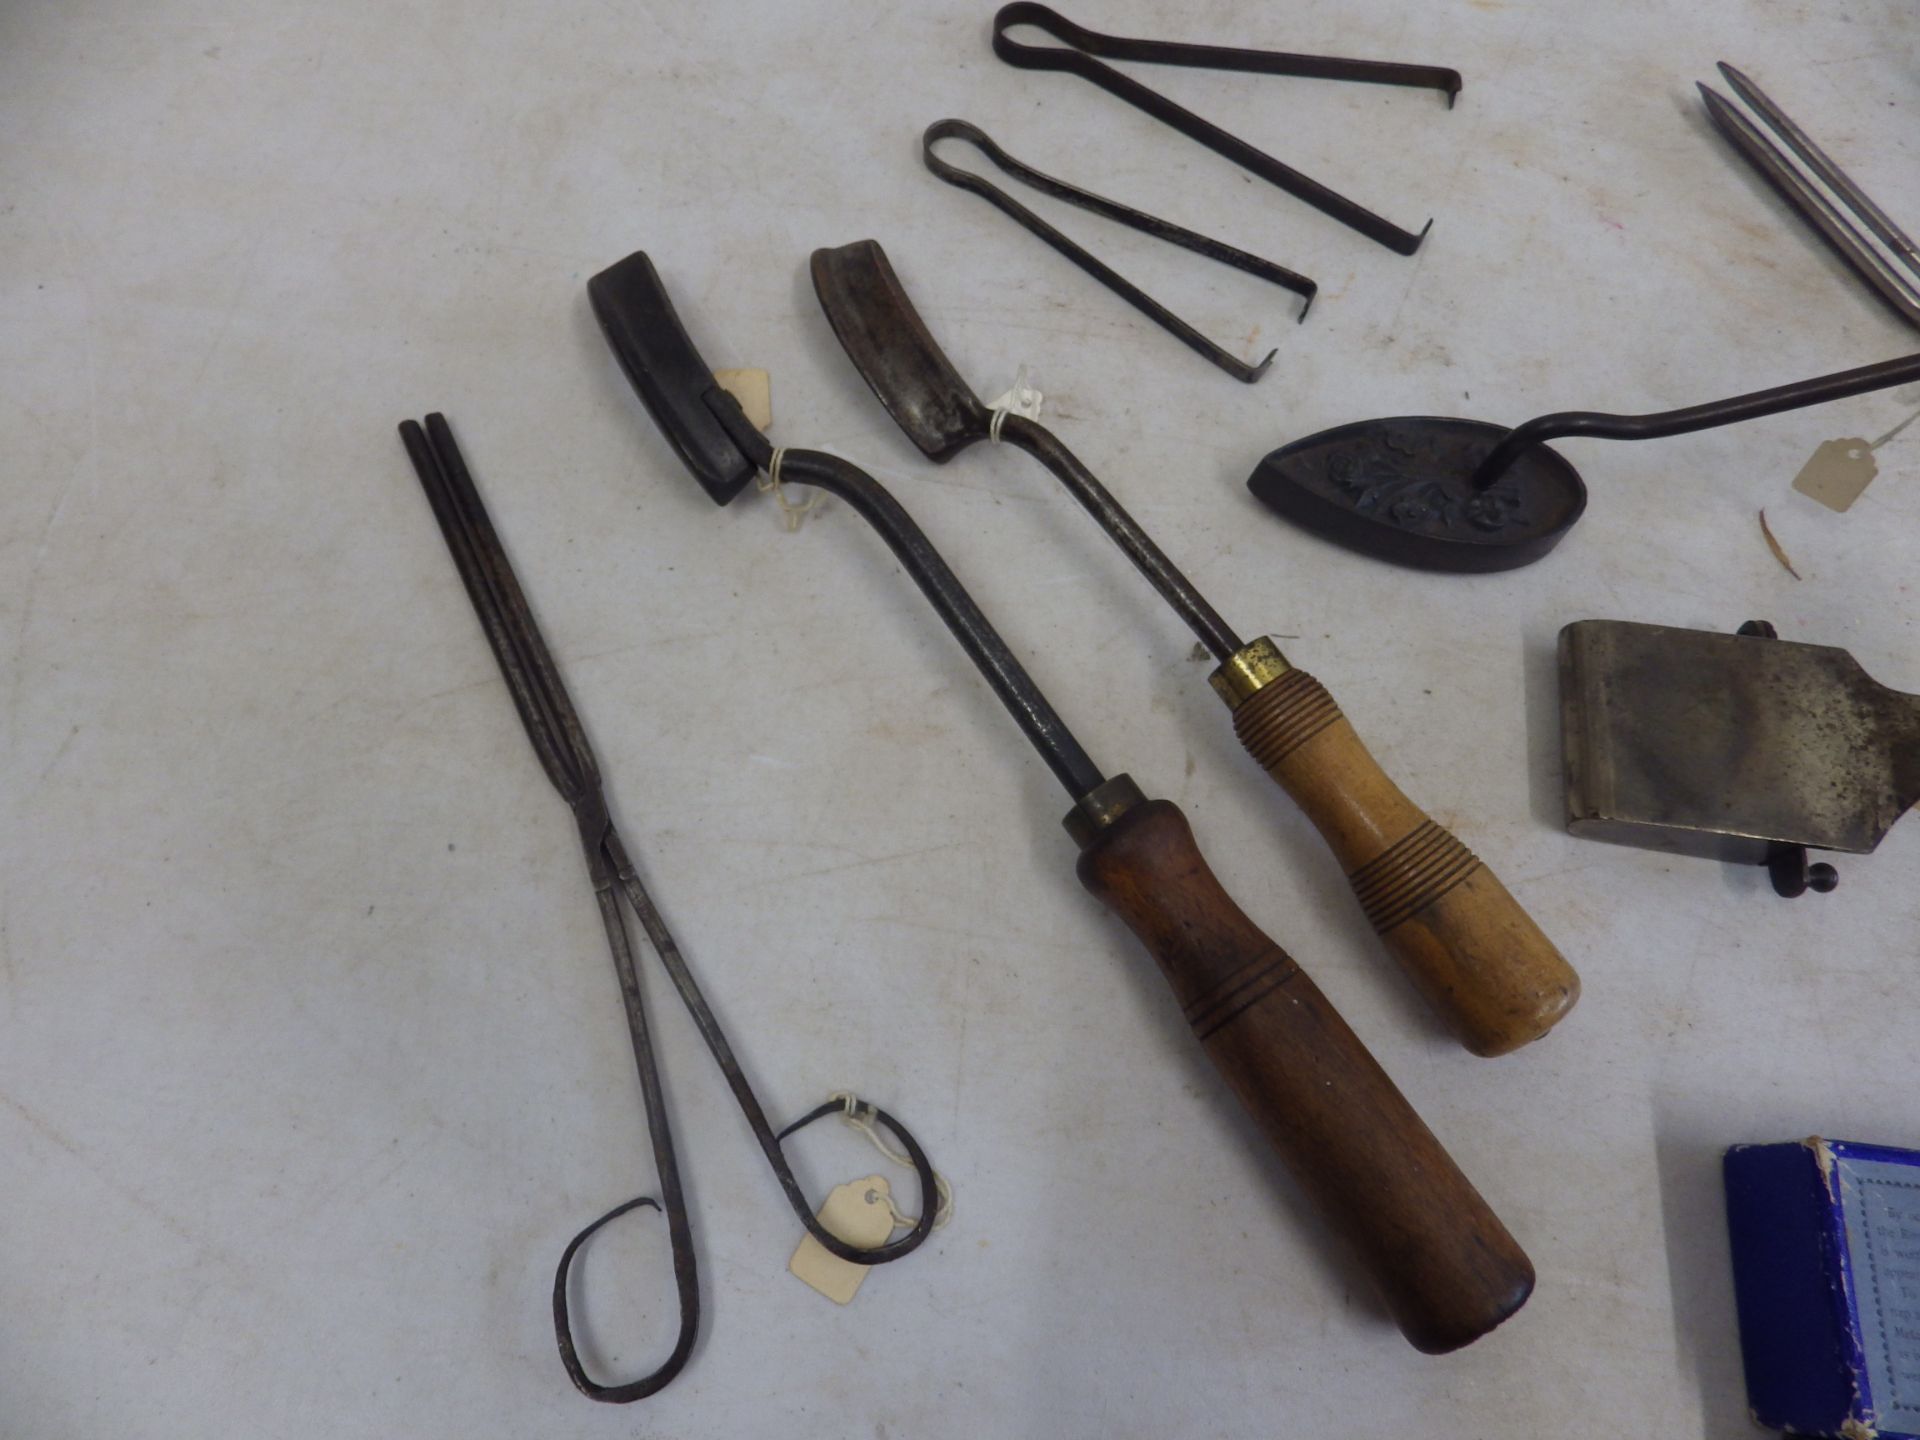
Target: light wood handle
<point x="1475" y="955"/>
<point x="1440" y="1257"/>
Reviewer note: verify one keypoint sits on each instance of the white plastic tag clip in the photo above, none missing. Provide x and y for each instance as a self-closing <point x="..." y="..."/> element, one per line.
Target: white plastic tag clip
<point x="1022" y="399"/>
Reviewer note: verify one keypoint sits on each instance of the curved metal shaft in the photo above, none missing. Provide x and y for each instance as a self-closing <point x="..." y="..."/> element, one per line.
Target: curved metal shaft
<point x="1597" y="425"/>
<point x="1042" y="724"/>
<point x="1147" y="557"/>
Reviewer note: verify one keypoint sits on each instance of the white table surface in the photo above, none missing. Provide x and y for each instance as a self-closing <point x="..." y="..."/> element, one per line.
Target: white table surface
<point x="310" y="1054"/>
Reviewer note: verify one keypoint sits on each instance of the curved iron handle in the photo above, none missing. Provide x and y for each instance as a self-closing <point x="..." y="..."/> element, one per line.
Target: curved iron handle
<point x="1598" y="425"/>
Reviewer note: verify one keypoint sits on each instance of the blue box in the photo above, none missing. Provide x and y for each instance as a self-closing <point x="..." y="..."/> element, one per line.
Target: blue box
<point x="1826" y="1273"/>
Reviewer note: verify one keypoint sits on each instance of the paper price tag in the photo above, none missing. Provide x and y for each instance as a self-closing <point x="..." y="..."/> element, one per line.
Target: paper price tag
<point x="860" y="1213"/>
<point x="1837" y="473"/>
<point x="754" y="390"/>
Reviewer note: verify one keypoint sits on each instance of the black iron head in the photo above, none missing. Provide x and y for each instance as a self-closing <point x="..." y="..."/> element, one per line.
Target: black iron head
<point x="894" y="351"/>
<point x="674" y="383"/>
<point x="1401" y="489"/>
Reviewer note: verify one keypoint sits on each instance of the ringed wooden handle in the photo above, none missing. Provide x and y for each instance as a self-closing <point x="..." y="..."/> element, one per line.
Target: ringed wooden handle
<point x="1444" y="1263"/>
<point x="1475" y="955"/>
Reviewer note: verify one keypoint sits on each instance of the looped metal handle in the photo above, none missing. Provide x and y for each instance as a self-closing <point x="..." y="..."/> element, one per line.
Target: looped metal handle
<point x="922" y="1169"/>
<point x="685" y="1275"/>
<point x="659" y="1378"/>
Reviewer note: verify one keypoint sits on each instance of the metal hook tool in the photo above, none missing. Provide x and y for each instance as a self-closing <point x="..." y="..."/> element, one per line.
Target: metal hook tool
<point x="1139" y="220"/>
<point x="1838" y="229"/>
<point x="559" y="739"/>
<point x="1079" y="45"/>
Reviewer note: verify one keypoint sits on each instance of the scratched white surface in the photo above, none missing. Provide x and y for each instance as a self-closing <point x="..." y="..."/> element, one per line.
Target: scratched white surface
<point x="310" y="1057"/>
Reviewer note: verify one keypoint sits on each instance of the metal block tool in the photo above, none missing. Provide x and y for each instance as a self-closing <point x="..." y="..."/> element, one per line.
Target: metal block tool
<point x="1743" y="748"/>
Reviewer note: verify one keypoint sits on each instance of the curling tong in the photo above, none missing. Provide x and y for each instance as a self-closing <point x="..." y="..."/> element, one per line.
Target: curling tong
<point x="1445" y="1265"/>
<point x="560" y="742"/>
<point x="1462" y="938"/>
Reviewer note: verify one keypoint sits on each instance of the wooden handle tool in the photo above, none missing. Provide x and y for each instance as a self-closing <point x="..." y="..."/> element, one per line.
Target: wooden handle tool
<point x="1465" y="942"/>
<point x="1440" y="1257"/>
<point x="1475" y="955"/>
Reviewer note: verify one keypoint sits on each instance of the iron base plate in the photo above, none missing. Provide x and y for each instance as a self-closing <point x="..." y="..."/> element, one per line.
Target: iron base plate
<point x="1400" y="490"/>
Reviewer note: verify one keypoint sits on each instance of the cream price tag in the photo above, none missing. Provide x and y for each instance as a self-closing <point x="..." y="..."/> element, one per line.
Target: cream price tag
<point x="1839" y="471"/>
<point x="860" y="1213"/>
<point x="754" y="390"/>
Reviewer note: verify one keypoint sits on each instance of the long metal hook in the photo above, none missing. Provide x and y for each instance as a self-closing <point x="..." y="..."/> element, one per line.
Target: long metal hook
<point x="1078" y="46"/>
<point x="558" y="738"/>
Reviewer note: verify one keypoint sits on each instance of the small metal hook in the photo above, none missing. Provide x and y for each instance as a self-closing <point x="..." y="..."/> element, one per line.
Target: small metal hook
<point x="1078" y="45"/>
<point x="1137" y="219"/>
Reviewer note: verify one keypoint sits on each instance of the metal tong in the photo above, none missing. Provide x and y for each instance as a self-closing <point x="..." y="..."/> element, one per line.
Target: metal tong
<point x="1079" y="45"/>
<point x="1892" y="275"/>
<point x="560" y="741"/>
<point x="1125" y="215"/>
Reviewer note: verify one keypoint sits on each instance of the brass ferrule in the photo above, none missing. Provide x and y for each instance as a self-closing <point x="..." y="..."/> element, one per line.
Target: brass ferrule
<point x="1253" y="666"/>
<point x="1100" y="807"/>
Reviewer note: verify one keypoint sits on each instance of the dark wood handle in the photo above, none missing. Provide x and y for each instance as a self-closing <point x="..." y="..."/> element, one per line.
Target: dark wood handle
<point x="1447" y="1267"/>
<point x="1475" y="955"/>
